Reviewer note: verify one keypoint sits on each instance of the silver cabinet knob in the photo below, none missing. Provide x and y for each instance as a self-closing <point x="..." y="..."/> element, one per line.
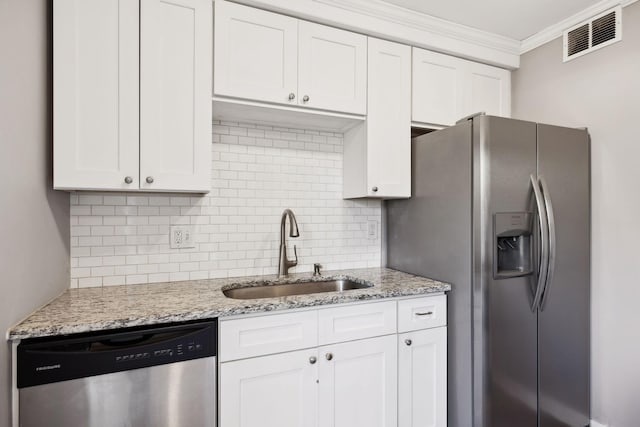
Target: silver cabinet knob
<point x="374" y="189"/>
<point x="292" y="96"/>
<point x="128" y="180"/>
<point x="312" y="360"/>
<point x="329" y="356"/>
<point x="149" y="180"/>
<point x="408" y="342"/>
<point x="305" y="98"/>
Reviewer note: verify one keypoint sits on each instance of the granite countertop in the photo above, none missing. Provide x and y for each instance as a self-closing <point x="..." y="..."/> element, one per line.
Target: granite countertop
<point x="94" y="309"/>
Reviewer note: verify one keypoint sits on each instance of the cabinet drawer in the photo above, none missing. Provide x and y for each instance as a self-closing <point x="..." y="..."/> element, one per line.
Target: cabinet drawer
<point x="355" y="322"/>
<point x="422" y="313"/>
<point x="257" y="336"/>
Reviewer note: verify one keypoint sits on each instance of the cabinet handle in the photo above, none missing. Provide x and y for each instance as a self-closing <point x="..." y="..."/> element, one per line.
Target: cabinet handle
<point x="374" y="189"/>
<point x="312" y="360"/>
<point x="408" y="342"/>
<point x="305" y="98"/>
<point x="149" y="180"/>
<point x="128" y="180"/>
<point x="292" y="96"/>
<point x="329" y="356"/>
<point x="428" y="313"/>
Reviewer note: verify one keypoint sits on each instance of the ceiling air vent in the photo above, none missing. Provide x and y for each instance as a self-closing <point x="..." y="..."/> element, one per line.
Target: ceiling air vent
<point x="598" y="32"/>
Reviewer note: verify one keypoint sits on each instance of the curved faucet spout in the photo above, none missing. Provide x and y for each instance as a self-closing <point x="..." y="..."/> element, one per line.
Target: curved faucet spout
<point x="293" y="224"/>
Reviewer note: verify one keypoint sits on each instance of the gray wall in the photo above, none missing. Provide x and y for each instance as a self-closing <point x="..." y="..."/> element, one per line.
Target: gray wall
<point x="602" y="91"/>
<point x="34" y="220"/>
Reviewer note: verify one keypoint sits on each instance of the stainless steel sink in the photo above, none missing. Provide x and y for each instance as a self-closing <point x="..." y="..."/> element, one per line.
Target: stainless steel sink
<point x="268" y="290"/>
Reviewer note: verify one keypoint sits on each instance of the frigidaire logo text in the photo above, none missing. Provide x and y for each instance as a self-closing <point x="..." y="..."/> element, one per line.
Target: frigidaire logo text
<point x="48" y="367"/>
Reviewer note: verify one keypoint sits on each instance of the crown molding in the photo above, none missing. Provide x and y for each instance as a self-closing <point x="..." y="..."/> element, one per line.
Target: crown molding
<point x="554" y="31"/>
<point x="398" y="15"/>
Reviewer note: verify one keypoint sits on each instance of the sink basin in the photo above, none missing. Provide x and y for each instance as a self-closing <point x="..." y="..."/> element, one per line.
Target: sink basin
<point x="273" y="291"/>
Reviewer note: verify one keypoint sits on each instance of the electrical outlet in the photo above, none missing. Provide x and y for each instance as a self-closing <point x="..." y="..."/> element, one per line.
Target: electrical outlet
<point x="181" y="236"/>
<point x="372" y="229"/>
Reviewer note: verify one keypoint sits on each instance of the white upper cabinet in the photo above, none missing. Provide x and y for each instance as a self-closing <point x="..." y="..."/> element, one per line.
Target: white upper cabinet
<point x="437" y="87"/>
<point x="132" y="95"/>
<point x="267" y="57"/>
<point x="332" y="68"/>
<point x="377" y="154"/>
<point x="175" y="95"/>
<point x="446" y="88"/>
<point x="488" y="89"/>
<point x="255" y="54"/>
<point x="95" y="94"/>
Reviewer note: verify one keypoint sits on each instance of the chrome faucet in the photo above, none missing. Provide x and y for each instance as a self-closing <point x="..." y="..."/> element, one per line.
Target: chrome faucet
<point x="284" y="264"/>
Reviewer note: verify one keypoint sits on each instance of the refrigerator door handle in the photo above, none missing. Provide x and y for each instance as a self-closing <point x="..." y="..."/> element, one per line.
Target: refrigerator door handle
<point x="544" y="241"/>
<point x="552" y="241"/>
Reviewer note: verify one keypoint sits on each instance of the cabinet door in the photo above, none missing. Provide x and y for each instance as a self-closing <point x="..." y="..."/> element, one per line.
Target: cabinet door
<point x="270" y="391"/>
<point x="256" y="54"/>
<point x="389" y="119"/>
<point x="422" y="378"/>
<point x="175" y="95"/>
<point x="95" y="85"/>
<point x="438" y="96"/>
<point x="332" y="69"/>
<point x="358" y="383"/>
<point x="488" y="89"/>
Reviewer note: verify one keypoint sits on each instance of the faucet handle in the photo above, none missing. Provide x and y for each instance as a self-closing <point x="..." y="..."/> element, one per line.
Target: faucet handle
<point x="295" y="253"/>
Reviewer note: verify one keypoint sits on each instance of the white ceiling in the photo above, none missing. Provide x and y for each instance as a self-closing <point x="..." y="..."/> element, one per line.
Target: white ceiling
<point x="517" y="19"/>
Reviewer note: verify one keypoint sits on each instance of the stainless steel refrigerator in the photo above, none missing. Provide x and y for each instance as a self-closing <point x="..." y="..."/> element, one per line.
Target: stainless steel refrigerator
<point x="500" y="208"/>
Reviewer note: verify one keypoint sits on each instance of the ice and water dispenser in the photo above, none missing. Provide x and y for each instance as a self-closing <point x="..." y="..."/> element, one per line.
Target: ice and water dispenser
<point x="513" y="244"/>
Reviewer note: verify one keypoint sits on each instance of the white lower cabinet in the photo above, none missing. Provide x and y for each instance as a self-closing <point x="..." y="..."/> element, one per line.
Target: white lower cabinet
<point x="270" y="391"/>
<point x="384" y="379"/>
<point x="422" y="378"/>
<point x="358" y="383"/>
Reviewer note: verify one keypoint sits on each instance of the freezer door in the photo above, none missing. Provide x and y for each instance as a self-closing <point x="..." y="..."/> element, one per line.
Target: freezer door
<point x="505" y="326"/>
<point x="564" y="318"/>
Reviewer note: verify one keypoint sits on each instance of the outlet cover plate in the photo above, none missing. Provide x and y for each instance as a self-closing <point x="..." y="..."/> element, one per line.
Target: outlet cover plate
<point x="181" y="237"/>
<point x="372" y="229"/>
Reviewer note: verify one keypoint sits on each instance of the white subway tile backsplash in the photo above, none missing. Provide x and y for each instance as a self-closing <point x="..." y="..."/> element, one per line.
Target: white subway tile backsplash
<point x="257" y="171"/>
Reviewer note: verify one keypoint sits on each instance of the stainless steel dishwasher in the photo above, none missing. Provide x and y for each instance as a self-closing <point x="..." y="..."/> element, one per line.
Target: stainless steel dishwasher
<point x="149" y="376"/>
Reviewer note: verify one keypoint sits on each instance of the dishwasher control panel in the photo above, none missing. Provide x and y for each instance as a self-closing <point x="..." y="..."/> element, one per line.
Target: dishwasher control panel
<point x="179" y="349"/>
<point x="48" y="360"/>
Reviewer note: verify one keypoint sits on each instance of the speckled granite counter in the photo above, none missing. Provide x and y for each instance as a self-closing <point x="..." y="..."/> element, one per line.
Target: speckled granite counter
<point x="94" y="309"/>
